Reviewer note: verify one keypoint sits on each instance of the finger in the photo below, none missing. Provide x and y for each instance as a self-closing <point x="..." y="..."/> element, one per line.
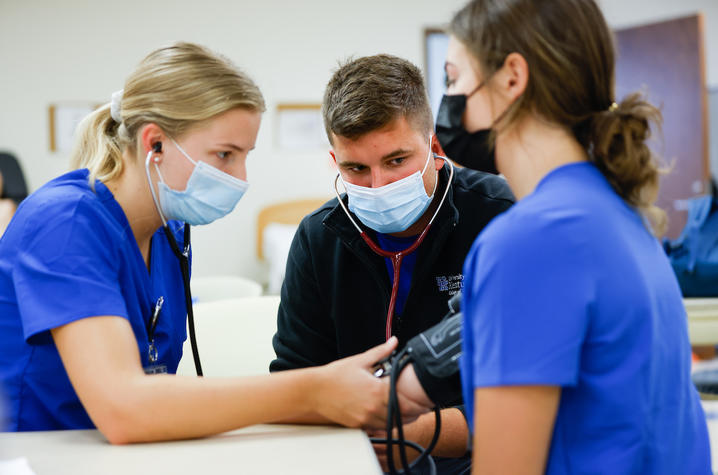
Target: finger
<point x="376" y="433"/>
<point x="379" y="352"/>
<point x="383" y="463"/>
<point x="379" y="449"/>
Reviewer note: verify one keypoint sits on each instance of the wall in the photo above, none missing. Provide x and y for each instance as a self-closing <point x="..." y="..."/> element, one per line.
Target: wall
<point x="82" y="50"/>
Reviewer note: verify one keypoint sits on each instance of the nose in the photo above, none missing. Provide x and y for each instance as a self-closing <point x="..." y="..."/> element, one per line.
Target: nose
<point x="239" y="170"/>
<point x="379" y="177"/>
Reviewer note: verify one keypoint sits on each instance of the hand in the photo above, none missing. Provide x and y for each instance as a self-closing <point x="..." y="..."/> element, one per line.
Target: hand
<point x="413" y="400"/>
<point x="348" y="393"/>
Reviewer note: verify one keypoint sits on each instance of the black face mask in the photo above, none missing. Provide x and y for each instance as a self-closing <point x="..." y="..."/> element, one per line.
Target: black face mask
<point x="471" y="150"/>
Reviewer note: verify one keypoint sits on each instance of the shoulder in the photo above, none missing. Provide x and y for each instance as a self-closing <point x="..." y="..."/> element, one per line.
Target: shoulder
<point x="313" y="222"/>
<point x="65" y="192"/>
<point x="538" y="227"/>
<point x="483" y="186"/>
<point x="66" y="205"/>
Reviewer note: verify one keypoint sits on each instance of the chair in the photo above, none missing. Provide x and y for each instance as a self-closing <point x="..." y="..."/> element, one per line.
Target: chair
<point x="219" y="287"/>
<point x="276" y="225"/>
<point x="14" y="186"/>
<point x="234" y="337"/>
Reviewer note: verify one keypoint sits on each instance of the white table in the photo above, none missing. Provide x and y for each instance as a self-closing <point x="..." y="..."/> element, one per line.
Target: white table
<point x="261" y="449"/>
<point x="702" y="320"/>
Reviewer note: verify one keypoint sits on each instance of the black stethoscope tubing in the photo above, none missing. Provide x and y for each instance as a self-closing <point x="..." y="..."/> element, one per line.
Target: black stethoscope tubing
<point x="183" y="258"/>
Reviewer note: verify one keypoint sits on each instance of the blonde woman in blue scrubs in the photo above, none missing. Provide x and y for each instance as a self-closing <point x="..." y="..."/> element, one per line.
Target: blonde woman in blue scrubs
<point x="85" y="264"/>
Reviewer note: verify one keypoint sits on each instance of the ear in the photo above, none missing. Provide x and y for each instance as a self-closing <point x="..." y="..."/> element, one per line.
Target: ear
<point x="150" y="135"/>
<point x="513" y="76"/>
<point x="334" y="157"/>
<point x="436" y="148"/>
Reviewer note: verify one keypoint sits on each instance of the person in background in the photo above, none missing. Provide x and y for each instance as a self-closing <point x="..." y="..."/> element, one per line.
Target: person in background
<point x="92" y="314"/>
<point x="576" y="356"/>
<point x="341" y="296"/>
<point x="7" y="208"/>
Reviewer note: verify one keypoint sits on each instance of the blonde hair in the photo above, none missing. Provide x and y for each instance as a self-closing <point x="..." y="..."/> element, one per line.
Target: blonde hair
<point x="570" y="52"/>
<point x="176" y="87"/>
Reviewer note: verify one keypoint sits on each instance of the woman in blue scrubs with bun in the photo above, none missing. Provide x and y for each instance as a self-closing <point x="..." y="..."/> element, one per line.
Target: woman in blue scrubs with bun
<point x="92" y="310"/>
<point x="576" y="353"/>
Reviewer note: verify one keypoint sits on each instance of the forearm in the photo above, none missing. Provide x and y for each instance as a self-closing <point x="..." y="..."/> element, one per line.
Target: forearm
<point x="453" y="438"/>
<point x="162" y="407"/>
<point x="128" y="406"/>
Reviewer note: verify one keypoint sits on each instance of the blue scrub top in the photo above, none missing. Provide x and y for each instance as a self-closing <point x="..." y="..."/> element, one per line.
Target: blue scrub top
<point x="69" y="253"/>
<point x="568" y="288"/>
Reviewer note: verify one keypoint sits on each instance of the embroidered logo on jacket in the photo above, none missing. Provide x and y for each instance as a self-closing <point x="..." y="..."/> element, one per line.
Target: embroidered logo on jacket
<point x="450" y="284"/>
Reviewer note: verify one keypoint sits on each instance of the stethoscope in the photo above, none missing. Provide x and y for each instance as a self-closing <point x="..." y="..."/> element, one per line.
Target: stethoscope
<point x="396" y="257"/>
<point x="183" y="258"/>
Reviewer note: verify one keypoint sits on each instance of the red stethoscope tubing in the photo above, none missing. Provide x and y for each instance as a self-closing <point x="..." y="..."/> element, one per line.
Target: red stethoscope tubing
<point x="395" y="257"/>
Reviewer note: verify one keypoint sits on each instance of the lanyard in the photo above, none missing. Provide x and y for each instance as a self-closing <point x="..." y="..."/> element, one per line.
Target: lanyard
<point x="396" y="257"/>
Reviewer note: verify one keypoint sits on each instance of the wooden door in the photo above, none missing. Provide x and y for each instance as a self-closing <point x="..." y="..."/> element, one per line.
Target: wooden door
<point x="666" y="61"/>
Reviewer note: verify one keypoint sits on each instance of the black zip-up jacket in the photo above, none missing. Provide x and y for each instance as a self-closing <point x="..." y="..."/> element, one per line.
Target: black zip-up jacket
<point x="336" y="290"/>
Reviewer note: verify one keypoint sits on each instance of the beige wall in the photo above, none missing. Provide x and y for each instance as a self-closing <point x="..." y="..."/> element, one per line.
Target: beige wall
<point x="81" y="50"/>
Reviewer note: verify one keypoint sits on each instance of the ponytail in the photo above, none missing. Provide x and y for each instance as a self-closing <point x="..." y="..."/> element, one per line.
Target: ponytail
<point x="570" y="53"/>
<point x="97" y="146"/>
<point x="617" y="145"/>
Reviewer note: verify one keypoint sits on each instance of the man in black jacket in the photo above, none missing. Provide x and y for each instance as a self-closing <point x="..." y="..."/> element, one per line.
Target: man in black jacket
<point x="337" y="290"/>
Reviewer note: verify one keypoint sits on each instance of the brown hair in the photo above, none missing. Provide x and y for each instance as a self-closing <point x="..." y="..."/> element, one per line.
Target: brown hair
<point x="569" y="50"/>
<point x="368" y="93"/>
<point x="175" y="87"/>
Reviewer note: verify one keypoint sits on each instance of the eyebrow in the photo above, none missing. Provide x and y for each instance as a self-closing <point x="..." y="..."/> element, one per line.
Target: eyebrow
<point x="231" y="145"/>
<point x="394" y="154"/>
<point x="397" y="153"/>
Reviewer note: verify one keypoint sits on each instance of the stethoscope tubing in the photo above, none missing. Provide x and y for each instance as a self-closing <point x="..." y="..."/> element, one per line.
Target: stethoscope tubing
<point x="183" y="258"/>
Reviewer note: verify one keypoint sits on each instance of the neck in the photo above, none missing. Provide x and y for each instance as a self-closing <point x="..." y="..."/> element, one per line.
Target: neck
<point x="530" y="149"/>
<point x="132" y="192"/>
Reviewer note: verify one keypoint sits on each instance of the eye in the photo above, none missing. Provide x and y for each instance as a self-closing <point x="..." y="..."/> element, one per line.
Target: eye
<point x="357" y="168"/>
<point x="224" y="155"/>
<point x="448" y="82"/>
<point x="397" y="161"/>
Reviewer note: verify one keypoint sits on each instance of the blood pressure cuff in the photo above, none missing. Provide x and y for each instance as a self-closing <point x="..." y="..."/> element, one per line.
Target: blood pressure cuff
<point x="435" y="354"/>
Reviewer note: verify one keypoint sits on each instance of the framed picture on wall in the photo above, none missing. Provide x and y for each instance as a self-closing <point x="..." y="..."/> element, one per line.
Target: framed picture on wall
<point x="63" y="120"/>
<point x="436" y="42"/>
<point x="299" y="127"/>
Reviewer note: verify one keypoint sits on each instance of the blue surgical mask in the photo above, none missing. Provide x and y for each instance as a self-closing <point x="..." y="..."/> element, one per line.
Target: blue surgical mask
<point x="210" y="194"/>
<point x="394" y="207"/>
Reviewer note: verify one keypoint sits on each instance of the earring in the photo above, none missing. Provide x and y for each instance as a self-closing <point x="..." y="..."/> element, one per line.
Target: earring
<point x="157" y="159"/>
